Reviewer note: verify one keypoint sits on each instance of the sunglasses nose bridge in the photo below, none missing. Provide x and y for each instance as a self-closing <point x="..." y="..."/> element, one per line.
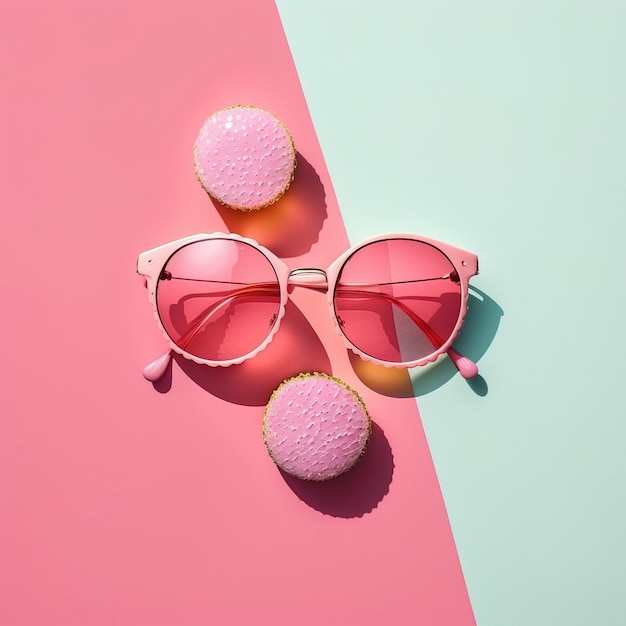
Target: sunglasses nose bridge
<point x="310" y="277"/>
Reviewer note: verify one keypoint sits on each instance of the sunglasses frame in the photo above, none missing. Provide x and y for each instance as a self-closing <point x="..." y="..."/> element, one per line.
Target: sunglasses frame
<point x="151" y="263"/>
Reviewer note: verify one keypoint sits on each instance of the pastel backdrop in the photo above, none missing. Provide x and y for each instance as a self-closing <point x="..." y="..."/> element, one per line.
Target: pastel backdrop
<point x="497" y="127"/>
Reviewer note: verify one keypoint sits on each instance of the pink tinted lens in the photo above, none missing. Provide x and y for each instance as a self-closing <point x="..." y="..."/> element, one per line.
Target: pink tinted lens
<point x="218" y="299"/>
<point x="398" y="300"/>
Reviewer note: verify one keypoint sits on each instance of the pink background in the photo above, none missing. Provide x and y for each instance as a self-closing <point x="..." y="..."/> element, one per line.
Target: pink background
<point x="124" y="503"/>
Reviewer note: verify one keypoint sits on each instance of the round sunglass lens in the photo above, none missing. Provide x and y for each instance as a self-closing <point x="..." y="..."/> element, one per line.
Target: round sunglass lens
<point x="398" y="300"/>
<point x="218" y="299"/>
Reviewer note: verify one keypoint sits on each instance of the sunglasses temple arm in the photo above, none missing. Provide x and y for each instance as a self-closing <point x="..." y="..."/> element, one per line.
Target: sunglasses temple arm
<point x="155" y="370"/>
<point x="466" y="367"/>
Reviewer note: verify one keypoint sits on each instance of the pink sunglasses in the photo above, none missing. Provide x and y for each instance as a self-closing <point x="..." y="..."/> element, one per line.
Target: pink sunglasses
<point x="397" y="300"/>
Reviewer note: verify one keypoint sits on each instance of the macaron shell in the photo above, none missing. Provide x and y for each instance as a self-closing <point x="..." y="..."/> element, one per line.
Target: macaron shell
<point x="244" y="157"/>
<point x="316" y="427"/>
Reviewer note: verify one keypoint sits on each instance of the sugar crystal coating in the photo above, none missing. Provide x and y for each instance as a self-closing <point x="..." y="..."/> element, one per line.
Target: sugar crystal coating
<point x="315" y="427"/>
<point x="244" y="157"/>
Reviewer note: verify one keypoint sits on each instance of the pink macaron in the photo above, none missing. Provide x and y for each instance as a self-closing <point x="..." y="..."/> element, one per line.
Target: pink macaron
<point x="244" y="157"/>
<point x="316" y="427"/>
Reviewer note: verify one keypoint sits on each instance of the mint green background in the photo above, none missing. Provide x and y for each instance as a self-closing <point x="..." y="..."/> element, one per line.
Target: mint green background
<point x="500" y="127"/>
